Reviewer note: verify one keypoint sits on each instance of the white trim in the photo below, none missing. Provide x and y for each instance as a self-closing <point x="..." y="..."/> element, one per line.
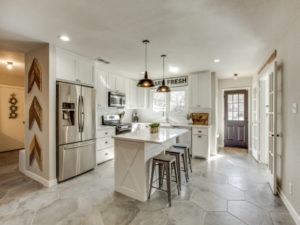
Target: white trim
<point x="42" y="180"/>
<point x="289" y="206"/>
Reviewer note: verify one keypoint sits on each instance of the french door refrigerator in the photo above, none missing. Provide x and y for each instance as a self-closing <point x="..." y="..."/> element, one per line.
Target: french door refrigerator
<point x="76" y="147"/>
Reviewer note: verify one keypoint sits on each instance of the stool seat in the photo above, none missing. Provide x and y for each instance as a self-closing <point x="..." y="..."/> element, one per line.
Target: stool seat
<point x="164" y="158"/>
<point x="178" y="145"/>
<point x="175" y="150"/>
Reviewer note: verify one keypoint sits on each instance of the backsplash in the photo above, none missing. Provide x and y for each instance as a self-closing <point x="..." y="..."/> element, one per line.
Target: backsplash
<point x="112" y="111"/>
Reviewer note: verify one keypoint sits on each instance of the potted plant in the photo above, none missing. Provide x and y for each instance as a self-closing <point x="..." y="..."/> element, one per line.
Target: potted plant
<point x="154" y="128"/>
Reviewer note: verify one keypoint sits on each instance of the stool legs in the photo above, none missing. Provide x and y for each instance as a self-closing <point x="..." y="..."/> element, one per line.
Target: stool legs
<point x="190" y="160"/>
<point x="177" y="172"/>
<point x="185" y="166"/>
<point x="168" y="182"/>
<point x="151" y="179"/>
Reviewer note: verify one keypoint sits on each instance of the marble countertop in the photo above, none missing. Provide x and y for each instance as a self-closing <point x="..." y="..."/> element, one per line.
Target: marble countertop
<point x="144" y="135"/>
<point x="102" y="127"/>
<point x="188" y="125"/>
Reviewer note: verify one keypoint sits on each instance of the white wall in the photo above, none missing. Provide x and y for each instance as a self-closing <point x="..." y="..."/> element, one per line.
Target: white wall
<point x="289" y="159"/>
<point x="11" y="130"/>
<point x="226" y="84"/>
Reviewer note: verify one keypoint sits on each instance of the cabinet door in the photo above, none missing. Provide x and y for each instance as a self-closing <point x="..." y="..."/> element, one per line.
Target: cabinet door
<point x="85" y="71"/>
<point x="194" y="91"/>
<point x="200" y="146"/>
<point x="120" y="84"/>
<point x="65" y="65"/>
<point x="101" y="88"/>
<point x="204" y="88"/>
<point x="131" y="94"/>
<point x="111" y="82"/>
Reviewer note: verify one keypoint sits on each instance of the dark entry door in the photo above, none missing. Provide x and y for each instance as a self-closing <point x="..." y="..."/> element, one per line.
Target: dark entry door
<point x="236" y="118"/>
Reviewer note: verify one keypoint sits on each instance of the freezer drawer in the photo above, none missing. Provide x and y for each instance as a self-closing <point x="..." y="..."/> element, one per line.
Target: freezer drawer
<point x="74" y="159"/>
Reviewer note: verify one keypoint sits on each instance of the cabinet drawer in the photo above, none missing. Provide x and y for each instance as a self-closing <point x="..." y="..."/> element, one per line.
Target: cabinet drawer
<point x="200" y="146"/>
<point x="104" y="155"/>
<point x="105" y="142"/>
<point x="201" y="131"/>
<point x="105" y="133"/>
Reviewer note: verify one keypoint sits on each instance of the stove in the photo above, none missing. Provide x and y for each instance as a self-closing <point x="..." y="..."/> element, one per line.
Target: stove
<point x="115" y="120"/>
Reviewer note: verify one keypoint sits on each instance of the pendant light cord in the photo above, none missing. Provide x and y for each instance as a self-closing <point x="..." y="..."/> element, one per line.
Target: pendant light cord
<point x="146" y="67"/>
<point x="163" y="67"/>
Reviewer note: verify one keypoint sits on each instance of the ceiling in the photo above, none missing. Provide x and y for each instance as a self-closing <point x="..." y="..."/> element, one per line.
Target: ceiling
<point x="241" y="33"/>
<point x="16" y="58"/>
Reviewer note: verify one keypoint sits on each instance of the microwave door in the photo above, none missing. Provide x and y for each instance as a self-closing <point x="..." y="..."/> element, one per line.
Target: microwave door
<point x="115" y="101"/>
<point x="68" y="105"/>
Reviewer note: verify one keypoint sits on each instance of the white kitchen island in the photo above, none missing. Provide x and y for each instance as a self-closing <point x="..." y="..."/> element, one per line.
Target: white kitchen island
<point x="133" y="154"/>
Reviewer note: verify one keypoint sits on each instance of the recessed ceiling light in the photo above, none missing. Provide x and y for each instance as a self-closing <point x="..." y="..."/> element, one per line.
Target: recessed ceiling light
<point x="217" y="60"/>
<point x="64" y="37"/>
<point x="9" y="65"/>
<point x="173" y="69"/>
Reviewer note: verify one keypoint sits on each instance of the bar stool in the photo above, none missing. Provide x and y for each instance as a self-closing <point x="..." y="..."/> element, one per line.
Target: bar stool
<point x="187" y="149"/>
<point x="165" y="163"/>
<point x="180" y="153"/>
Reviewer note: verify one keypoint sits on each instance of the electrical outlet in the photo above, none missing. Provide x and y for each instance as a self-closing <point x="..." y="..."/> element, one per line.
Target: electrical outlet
<point x="291" y="189"/>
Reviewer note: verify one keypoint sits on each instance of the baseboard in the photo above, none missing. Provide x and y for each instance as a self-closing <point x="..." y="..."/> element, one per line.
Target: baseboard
<point x="289" y="206"/>
<point x="42" y="180"/>
<point x="220" y="146"/>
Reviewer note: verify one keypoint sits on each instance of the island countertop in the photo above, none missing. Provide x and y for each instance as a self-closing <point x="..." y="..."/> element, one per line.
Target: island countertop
<point x="144" y="135"/>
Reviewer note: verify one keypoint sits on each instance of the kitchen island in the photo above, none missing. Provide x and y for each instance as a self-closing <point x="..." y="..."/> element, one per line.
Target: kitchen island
<point x="133" y="154"/>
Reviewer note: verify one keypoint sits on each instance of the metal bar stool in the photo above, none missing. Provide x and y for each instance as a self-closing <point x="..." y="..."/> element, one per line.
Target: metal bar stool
<point x="187" y="149"/>
<point x="165" y="163"/>
<point x="178" y="153"/>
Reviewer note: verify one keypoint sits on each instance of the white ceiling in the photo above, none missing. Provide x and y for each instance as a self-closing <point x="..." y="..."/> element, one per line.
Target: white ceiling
<point x="242" y="33"/>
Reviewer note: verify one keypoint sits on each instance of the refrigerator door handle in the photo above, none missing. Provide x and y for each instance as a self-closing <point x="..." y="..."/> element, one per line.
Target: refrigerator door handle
<point x="82" y="114"/>
<point x="79" y="114"/>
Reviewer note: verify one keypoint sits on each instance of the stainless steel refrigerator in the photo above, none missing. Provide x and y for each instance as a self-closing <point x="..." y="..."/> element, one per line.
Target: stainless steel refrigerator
<point x="76" y="148"/>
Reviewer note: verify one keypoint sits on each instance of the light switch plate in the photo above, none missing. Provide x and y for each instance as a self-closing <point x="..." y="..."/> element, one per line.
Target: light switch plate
<point x="294" y="108"/>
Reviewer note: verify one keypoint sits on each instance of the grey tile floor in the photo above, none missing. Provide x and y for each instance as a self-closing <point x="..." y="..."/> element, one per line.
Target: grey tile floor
<point x="230" y="189"/>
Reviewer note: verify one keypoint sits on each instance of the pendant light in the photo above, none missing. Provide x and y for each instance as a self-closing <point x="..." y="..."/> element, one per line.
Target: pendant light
<point x="163" y="87"/>
<point x="146" y="82"/>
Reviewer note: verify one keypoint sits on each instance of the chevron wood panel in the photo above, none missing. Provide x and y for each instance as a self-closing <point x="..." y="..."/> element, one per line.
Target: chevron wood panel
<point x="35" y="75"/>
<point x="35" y="113"/>
<point x="35" y="152"/>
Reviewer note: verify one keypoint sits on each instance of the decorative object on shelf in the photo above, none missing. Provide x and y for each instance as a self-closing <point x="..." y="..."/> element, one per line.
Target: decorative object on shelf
<point x="163" y="87"/>
<point x="200" y="118"/>
<point x="35" y="75"/>
<point x="13" y="106"/>
<point x="154" y="128"/>
<point x="146" y="82"/>
<point x="35" y="152"/>
<point x="35" y="113"/>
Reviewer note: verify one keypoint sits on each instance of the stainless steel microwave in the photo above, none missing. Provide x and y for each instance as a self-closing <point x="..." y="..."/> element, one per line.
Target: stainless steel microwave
<point x="116" y="99"/>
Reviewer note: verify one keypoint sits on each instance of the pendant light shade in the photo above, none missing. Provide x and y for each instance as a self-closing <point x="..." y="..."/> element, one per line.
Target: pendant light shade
<point x="163" y="87"/>
<point x="146" y="82"/>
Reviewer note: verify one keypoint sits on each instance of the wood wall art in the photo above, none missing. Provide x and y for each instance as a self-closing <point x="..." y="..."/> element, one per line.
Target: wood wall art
<point x="200" y="118"/>
<point x="35" y="75"/>
<point x="35" y="152"/>
<point x="35" y="113"/>
<point x="13" y="106"/>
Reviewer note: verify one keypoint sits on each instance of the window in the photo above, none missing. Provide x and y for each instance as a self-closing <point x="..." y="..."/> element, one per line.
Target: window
<point x="159" y="102"/>
<point x="173" y="103"/>
<point x="236" y="107"/>
<point x="177" y="102"/>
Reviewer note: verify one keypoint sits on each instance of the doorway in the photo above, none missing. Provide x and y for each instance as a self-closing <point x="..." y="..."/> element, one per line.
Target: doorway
<point x="236" y="118"/>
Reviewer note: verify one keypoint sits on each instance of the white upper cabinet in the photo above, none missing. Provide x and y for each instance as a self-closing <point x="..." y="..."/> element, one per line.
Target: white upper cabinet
<point x="85" y="70"/>
<point x="135" y="96"/>
<point x="65" y="65"/>
<point x="200" y="90"/>
<point x="141" y="98"/>
<point x="111" y="82"/>
<point x="101" y="88"/>
<point x="73" y="68"/>
<point x="120" y="84"/>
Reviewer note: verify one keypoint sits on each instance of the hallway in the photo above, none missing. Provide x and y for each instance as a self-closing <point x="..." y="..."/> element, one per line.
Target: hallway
<point x="230" y="189"/>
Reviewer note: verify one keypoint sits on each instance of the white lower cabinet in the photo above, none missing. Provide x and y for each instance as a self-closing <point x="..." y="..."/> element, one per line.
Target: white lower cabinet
<point x="105" y="144"/>
<point x="200" y="142"/>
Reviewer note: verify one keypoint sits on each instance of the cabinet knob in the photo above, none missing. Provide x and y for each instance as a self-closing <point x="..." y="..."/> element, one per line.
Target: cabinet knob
<point x="106" y="133"/>
<point x="199" y="136"/>
<point x="199" y="131"/>
<point x="106" y="142"/>
<point x="106" y="153"/>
